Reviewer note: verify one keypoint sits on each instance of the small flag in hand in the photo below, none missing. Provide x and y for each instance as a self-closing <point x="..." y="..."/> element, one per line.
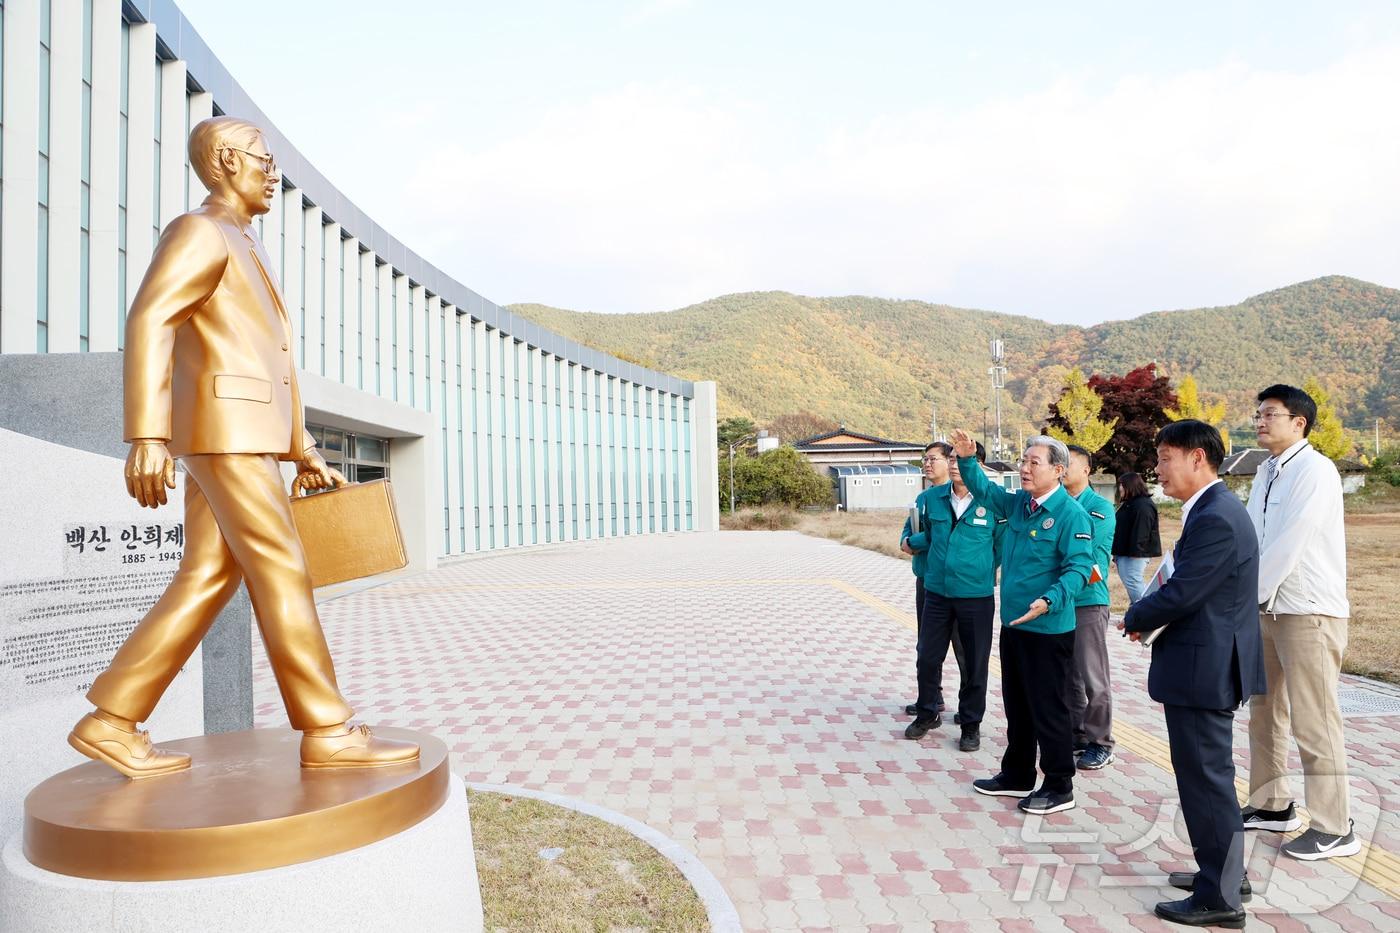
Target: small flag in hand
<point x="1096" y="576"/>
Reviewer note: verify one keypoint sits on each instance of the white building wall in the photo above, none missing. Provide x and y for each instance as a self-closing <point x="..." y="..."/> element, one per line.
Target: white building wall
<point x="313" y="248"/>
<point x="344" y="368"/>
<point x="174" y="133"/>
<point x="332" y="281"/>
<point x="480" y="402"/>
<point x="19" y="213"/>
<point x="140" y="154"/>
<point x="105" y="312"/>
<point x="289" y="261"/>
<point x="65" y="133"/>
<point x="201" y="107"/>
<point x="448" y="421"/>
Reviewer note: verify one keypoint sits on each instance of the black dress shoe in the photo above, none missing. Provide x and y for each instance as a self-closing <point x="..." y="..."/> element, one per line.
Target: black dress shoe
<point x="911" y="710"/>
<point x="1186" y="881"/>
<point x="919" y="727"/>
<point x="1185" y="912"/>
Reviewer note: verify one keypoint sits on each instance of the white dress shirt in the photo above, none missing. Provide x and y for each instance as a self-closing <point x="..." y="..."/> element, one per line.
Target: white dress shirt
<point x="959" y="505"/>
<point x="1297" y="513"/>
<point x="1186" y="506"/>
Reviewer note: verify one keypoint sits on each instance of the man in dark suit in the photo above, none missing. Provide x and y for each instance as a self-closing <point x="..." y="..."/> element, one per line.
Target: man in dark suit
<point x="1205" y="664"/>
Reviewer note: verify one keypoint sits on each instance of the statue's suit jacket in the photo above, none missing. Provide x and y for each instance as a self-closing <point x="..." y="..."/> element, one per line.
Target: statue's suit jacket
<point x="208" y="357"/>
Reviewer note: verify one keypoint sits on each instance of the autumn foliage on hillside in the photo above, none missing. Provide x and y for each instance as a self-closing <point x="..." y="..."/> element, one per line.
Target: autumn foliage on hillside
<point x="884" y="367"/>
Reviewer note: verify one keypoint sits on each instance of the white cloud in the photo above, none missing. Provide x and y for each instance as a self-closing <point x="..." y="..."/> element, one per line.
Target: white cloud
<point x="1075" y="203"/>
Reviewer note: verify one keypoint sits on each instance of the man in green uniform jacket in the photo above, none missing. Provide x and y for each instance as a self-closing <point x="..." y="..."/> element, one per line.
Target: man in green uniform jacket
<point x="1090" y="701"/>
<point x="937" y="458"/>
<point x="1046" y="559"/>
<point x="961" y="541"/>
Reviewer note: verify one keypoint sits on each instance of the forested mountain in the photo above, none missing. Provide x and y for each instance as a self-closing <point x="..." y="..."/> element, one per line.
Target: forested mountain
<point x="880" y="365"/>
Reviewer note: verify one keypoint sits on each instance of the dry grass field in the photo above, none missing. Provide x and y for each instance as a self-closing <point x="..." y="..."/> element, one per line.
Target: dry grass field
<point x="1373" y="564"/>
<point x="544" y="869"/>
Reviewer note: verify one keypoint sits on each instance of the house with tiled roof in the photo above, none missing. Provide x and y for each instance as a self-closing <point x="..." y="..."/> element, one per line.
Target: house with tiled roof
<point x="844" y="447"/>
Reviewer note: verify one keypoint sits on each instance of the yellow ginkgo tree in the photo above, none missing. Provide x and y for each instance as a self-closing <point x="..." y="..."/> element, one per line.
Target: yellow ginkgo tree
<point x="1079" y="406"/>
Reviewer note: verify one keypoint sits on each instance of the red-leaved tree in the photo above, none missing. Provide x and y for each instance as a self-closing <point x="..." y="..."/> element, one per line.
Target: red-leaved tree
<point x="1137" y="401"/>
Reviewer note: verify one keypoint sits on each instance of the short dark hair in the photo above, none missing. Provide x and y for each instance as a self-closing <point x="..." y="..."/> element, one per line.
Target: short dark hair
<point x="1299" y="403"/>
<point x="1191" y="434"/>
<point x="1076" y="449"/>
<point x="981" y="452"/>
<point x="943" y="447"/>
<point x="1133" y="486"/>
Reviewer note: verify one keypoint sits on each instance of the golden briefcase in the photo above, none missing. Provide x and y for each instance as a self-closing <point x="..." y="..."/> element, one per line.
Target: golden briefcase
<point x="348" y="532"/>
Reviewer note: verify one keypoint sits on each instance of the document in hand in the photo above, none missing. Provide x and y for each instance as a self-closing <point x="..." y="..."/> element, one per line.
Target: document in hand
<point x="914" y="520"/>
<point x="1164" y="572"/>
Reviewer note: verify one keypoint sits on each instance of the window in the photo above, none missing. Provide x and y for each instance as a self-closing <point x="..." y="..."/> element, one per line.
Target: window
<point x="856" y="482"/>
<point x="874" y="480"/>
<point x="361" y="457"/>
<point x="909" y="481"/>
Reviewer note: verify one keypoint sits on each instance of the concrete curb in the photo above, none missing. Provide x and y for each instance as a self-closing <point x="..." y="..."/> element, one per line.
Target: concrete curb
<point x="723" y="916"/>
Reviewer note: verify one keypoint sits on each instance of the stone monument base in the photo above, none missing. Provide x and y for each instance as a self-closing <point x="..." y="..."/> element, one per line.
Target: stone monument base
<point x="245" y="840"/>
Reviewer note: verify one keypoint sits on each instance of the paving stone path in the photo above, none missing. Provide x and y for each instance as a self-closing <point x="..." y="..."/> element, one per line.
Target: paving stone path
<point x="741" y="692"/>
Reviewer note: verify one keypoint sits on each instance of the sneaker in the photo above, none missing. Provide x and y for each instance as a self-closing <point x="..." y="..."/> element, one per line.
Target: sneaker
<point x="1043" y="801"/>
<point x="998" y="787"/>
<point x="1277" y="821"/>
<point x="1095" y="757"/>
<point x="1315" y="844"/>
<point x="1079" y="748"/>
<point x="919" y="727"/>
<point x="971" y="739"/>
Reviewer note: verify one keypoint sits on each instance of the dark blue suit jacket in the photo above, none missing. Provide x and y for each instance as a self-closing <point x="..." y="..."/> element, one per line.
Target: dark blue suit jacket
<point x="1211" y="656"/>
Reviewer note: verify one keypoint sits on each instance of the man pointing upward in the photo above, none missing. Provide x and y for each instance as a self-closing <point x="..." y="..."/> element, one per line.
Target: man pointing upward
<point x="1046" y="559"/>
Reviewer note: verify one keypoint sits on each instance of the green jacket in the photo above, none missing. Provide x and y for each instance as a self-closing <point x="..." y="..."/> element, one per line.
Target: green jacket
<point x="961" y="554"/>
<point x="1048" y="554"/>
<point x="921" y="549"/>
<point x="1103" y="522"/>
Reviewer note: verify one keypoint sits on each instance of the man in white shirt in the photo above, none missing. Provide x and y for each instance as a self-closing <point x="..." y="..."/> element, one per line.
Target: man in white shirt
<point x="1296" y="507"/>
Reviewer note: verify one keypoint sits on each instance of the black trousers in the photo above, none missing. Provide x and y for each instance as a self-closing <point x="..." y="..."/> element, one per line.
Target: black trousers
<point x="1202" y="751"/>
<point x="1035" y="672"/>
<point x="920" y="596"/>
<point x="966" y="624"/>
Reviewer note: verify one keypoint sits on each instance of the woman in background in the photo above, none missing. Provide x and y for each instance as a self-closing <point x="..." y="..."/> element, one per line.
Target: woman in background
<point x="1135" y="538"/>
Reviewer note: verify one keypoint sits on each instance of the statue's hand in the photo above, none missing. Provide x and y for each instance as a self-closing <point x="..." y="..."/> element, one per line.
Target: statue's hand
<point x="150" y="470"/>
<point x="315" y="474"/>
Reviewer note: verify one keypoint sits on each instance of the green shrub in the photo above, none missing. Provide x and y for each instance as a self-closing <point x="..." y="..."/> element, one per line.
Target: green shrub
<point x="1386" y="466"/>
<point x="778" y="477"/>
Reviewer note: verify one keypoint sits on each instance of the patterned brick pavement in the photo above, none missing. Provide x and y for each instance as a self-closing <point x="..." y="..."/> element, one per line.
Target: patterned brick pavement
<point x="740" y="692"/>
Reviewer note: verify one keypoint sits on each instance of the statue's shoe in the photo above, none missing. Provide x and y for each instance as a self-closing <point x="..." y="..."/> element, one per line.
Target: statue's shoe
<point x="130" y="753"/>
<point x="358" y="748"/>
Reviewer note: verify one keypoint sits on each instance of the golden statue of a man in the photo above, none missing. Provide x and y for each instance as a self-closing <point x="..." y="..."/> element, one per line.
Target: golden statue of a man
<point x="210" y="379"/>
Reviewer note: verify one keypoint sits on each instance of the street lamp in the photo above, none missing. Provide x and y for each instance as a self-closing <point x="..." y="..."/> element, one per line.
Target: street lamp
<point x="739" y="443"/>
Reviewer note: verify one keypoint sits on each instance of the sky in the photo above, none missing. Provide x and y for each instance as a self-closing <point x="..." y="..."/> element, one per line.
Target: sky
<point x="1074" y="162"/>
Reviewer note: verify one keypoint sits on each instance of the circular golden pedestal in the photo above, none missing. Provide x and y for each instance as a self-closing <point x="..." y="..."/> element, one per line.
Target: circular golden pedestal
<point x="245" y="804"/>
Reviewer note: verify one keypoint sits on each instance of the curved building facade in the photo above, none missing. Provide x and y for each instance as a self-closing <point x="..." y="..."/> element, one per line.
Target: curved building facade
<point x="496" y="432"/>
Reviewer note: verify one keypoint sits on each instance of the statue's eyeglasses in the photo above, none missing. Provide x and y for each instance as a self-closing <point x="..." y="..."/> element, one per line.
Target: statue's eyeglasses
<point x="265" y="160"/>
